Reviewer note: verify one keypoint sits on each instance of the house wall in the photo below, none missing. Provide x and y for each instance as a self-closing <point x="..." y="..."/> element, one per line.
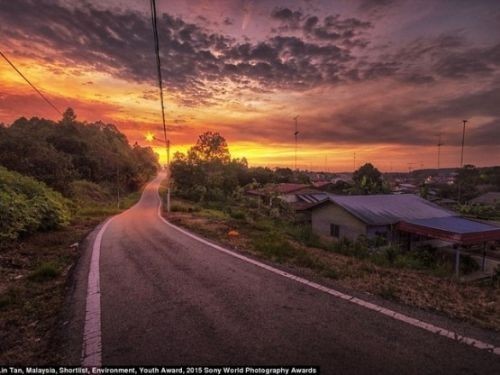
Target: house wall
<point x="349" y="226"/>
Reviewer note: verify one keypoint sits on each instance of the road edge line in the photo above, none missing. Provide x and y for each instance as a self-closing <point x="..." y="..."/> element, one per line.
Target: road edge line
<point x="91" y="345"/>
<point x="368" y="305"/>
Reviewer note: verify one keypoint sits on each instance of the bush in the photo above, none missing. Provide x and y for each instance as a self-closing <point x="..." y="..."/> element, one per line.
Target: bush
<point x="238" y="215"/>
<point x="306" y="236"/>
<point x="44" y="272"/>
<point x="275" y="246"/>
<point x="27" y="205"/>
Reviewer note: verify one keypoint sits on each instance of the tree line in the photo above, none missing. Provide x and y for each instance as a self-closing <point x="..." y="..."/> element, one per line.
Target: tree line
<point x="49" y="170"/>
<point x="59" y="153"/>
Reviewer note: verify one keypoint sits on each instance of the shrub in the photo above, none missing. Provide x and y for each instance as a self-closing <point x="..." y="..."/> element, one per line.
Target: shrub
<point x="306" y="236"/>
<point x="275" y="246"/>
<point x="44" y="272"/>
<point x="27" y="205"/>
<point x="238" y="215"/>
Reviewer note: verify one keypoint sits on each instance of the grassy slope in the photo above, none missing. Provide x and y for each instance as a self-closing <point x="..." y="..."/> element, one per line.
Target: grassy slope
<point x="428" y="289"/>
<point x="33" y="276"/>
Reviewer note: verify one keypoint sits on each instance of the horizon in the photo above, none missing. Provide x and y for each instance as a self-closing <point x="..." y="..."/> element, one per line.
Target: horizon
<point x="380" y="79"/>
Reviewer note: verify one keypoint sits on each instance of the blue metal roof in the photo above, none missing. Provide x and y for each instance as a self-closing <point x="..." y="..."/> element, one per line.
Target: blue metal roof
<point x="454" y="224"/>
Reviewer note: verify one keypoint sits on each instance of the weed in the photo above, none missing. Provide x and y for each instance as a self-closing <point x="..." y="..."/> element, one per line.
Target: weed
<point x="331" y="273"/>
<point x="238" y="215"/>
<point x="44" y="272"/>
<point x="389" y="292"/>
<point x="274" y="246"/>
<point x="10" y="297"/>
<point x="306" y="236"/>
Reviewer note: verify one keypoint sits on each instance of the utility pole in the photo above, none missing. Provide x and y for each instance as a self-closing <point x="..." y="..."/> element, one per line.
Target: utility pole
<point x="160" y="86"/>
<point x="463" y="142"/>
<point x="117" y="185"/>
<point x="354" y="161"/>
<point x="439" y="144"/>
<point x="410" y="165"/>
<point x="461" y="162"/>
<point x="296" y="133"/>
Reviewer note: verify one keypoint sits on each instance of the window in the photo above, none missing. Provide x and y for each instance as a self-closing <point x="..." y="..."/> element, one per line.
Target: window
<point x="334" y="230"/>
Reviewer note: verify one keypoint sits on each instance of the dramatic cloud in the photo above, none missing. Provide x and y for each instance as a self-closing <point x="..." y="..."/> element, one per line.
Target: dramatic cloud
<point x="355" y="76"/>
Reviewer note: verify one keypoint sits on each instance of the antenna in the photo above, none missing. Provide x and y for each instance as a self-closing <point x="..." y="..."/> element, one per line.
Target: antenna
<point x="439" y="144"/>
<point x="296" y="133"/>
<point x="410" y="165"/>
<point x="354" y="161"/>
<point x="463" y="141"/>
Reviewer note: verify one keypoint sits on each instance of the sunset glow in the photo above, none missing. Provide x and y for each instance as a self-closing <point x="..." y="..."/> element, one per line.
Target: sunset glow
<point x="379" y="79"/>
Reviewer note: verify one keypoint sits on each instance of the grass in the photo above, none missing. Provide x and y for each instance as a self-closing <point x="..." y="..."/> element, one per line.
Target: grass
<point x="44" y="272"/>
<point x="33" y="277"/>
<point x="422" y="279"/>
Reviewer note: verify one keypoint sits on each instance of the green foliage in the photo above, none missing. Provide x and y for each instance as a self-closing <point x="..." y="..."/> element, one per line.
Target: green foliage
<point x="9" y="297"/>
<point x="61" y="153"/>
<point x="207" y="172"/>
<point x="27" y="205"/>
<point x="274" y="246"/>
<point x="480" y="211"/>
<point x="44" y="272"/>
<point x="305" y="235"/>
<point x="368" y="180"/>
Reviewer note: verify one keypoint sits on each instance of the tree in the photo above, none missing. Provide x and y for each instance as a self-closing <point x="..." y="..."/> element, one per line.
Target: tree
<point x="69" y="116"/>
<point x="210" y="147"/>
<point x="368" y="180"/>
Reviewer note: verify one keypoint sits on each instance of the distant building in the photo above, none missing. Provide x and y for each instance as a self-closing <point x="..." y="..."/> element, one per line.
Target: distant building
<point x="488" y="199"/>
<point x="285" y="191"/>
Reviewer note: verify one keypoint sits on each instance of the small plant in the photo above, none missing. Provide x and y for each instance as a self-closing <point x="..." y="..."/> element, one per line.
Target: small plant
<point x="275" y="246"/>
<point x="306" y="236"/>
<point x="389" y="292"/>
<point x="238" y="215"/>
<point x="10" y="297"/>
<point x="44" y="272"/>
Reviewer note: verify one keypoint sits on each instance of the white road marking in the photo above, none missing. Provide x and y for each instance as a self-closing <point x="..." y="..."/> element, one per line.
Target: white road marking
<point x="368" y="305"/>
<point x="91" y="347"/>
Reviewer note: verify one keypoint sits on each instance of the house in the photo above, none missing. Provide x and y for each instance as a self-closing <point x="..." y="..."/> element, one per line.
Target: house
<point x="284" y="191"/>
<point x="353" y="215"/>
<point x="396" y="217"/>
<point x="488" y="199"/>
<point x="294" y="194"/>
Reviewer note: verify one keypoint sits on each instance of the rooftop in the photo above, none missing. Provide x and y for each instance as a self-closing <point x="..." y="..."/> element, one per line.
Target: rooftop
<point x="387" y="209"/>
<point x="493" y="197"/>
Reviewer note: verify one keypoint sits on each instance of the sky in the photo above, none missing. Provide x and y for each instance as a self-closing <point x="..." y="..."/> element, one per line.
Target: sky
<point x="383" y="80"/>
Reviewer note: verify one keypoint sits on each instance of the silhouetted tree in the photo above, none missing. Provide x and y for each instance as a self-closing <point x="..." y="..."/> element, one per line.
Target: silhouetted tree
<point x="368" y="180"/>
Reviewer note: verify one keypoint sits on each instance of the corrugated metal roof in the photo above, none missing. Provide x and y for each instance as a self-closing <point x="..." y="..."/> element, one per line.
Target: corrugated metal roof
<point x="493" y="197"/>
<point x="454" y="224"/>
<point x="389" y="209"/>
<point x="312" y="198"/>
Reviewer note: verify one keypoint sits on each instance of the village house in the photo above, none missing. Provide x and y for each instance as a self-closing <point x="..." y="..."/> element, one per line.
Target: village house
<point x="391" y="216"/>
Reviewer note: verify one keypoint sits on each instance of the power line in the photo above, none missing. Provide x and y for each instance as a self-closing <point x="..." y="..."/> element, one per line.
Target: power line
<point x="158" y="66"/>
<point x="160" y="85"/>
<point x="32" y="85"/>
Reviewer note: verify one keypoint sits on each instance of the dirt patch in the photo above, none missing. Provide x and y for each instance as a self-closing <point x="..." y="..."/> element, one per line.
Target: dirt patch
<point x="33" y="276"/>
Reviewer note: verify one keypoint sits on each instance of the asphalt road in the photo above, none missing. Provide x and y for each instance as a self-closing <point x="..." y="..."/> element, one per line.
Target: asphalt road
<point x="169" y="299"/>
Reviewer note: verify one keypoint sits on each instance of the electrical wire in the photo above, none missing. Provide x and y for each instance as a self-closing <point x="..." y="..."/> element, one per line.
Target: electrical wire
<point x="32" y="85"/>
<point x="158" y="66"/>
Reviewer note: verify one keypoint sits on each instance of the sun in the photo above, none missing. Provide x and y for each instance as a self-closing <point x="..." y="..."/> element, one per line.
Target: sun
<point x="150" y="137"/>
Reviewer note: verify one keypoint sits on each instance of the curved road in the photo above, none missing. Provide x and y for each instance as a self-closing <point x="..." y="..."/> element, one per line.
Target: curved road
<point x="167" y="298"/>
